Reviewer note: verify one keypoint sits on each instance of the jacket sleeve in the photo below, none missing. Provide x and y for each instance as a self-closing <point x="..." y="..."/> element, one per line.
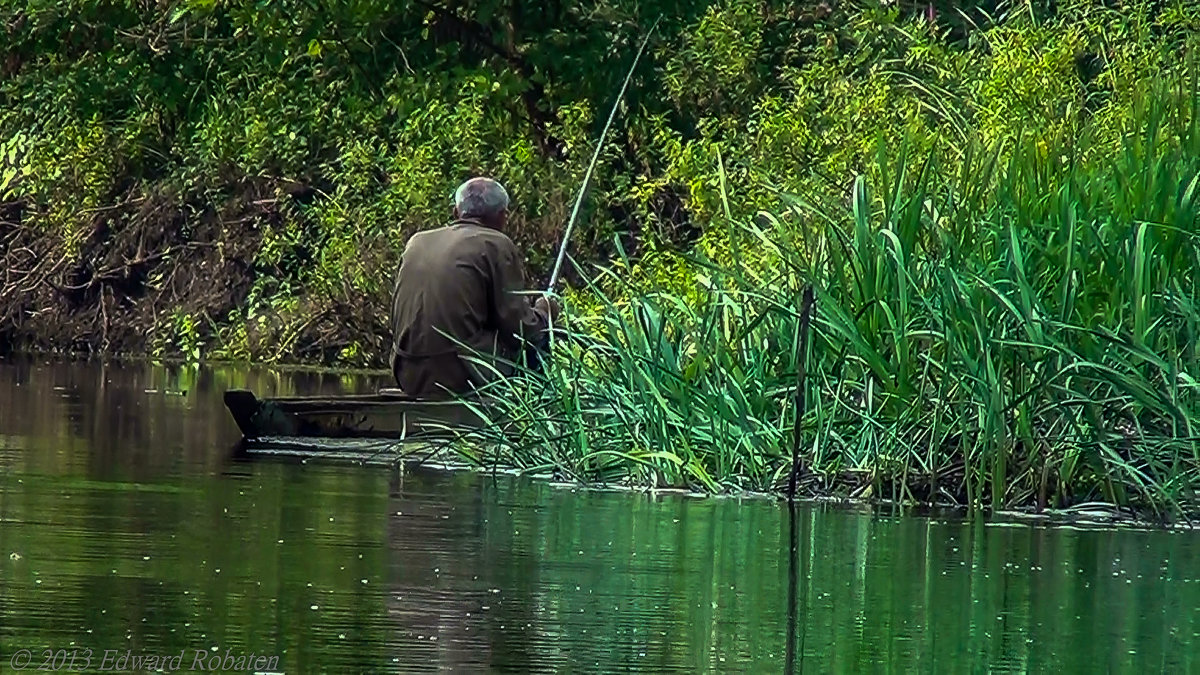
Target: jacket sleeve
<point x="515" y="315"/>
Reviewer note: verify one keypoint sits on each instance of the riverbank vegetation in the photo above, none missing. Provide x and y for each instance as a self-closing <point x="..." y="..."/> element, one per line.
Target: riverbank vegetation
<point x="217" y="179"/>
<point x="1005" y="321"/>
<point x="1016" y="331"/>
<point x="995" y="204"/>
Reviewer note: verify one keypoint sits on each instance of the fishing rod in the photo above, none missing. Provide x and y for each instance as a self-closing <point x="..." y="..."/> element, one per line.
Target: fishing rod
<point x="587" y="178"/>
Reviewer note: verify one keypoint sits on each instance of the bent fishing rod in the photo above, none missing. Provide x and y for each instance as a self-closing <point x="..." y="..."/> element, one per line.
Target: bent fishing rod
<point x="587" y="178"/>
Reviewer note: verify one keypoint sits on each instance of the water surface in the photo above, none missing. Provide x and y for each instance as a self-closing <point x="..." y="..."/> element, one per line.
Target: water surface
<point x="127" y="525"/>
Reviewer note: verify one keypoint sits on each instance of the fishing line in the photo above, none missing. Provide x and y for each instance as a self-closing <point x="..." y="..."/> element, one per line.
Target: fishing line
<point x="587" y="178"/>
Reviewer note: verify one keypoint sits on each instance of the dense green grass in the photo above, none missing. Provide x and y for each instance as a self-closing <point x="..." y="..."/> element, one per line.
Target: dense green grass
<point x="1014" y="329"/>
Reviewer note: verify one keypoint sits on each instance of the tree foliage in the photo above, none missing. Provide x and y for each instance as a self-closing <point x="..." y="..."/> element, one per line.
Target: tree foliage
<point x="248" y="171"/>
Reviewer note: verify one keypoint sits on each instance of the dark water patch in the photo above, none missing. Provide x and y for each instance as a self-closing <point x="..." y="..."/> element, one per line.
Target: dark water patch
<point x="126" y="524"/>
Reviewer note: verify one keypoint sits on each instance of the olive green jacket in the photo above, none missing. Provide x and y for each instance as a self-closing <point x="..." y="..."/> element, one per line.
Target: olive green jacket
<point x="458" y="282"/>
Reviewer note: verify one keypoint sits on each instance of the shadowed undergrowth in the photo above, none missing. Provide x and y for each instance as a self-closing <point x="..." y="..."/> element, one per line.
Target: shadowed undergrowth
<point x="1014" y="330"/>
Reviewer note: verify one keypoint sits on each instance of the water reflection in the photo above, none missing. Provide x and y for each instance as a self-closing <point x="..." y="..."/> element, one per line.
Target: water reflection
<point x="793" y="592"/>
<point x="126" y="524"/>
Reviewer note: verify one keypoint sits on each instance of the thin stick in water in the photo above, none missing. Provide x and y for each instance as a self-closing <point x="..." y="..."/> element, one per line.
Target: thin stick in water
<point x="801" y="376"/>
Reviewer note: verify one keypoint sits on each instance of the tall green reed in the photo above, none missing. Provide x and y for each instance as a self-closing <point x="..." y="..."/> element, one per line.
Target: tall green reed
<point x="1015" y="328"/>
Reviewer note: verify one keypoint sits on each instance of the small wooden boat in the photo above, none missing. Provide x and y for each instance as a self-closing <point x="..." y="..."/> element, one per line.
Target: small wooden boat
<point x="389" y="414"/>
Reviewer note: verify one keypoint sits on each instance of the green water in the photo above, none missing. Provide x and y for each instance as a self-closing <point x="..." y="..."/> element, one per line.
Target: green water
<point x="127" y="527"/>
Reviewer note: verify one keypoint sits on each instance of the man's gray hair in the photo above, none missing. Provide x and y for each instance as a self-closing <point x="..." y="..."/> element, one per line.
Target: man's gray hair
<point x="480" y="198"/>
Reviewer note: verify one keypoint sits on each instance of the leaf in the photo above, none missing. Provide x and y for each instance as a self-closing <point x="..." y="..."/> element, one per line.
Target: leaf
<point x="6" y="178"/>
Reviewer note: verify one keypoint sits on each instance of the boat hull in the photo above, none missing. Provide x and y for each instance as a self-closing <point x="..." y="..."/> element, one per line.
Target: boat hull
<point x="387" y="415"/>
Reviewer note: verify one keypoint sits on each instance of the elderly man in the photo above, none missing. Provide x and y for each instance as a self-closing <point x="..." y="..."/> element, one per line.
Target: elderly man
<point x="459" y="284"/>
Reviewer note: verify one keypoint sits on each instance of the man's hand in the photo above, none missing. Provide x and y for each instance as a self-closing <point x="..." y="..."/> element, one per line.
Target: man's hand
<point x="548" y="306"/>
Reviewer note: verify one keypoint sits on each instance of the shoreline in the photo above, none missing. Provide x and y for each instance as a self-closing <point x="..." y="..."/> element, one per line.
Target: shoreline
<point x="1104" y="516"/>
<point x="183" y="362"/>
<point x="1104" y="513"/>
